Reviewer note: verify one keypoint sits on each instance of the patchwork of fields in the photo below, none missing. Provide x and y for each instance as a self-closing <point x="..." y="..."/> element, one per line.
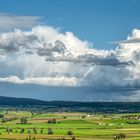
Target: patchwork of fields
<point x="67" y="126"/>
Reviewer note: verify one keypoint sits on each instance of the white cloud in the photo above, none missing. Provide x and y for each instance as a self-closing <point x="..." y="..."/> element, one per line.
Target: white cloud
<point x="24" y="55"/>
<point x="50" y="81"/>
<point x="11" y="21"/>
<point x="46" y="56"/>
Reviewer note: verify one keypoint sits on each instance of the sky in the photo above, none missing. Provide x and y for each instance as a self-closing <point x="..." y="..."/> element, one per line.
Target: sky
<point x="84" y="50"/>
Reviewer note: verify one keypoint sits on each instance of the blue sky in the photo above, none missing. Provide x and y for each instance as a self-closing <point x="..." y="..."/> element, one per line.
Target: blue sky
<point x="98" y="21"/>
<point x="83" y="50"/>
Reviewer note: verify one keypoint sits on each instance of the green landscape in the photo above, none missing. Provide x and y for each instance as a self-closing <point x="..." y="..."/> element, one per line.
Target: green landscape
<point x="69" y="69"/>
<point x="43" y="125"/>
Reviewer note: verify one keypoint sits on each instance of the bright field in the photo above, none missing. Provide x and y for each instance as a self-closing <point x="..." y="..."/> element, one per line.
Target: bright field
<point x="82" y="125"/>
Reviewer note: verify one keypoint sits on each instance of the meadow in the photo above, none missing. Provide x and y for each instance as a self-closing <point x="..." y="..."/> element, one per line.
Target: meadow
<point x="27" y="125"/>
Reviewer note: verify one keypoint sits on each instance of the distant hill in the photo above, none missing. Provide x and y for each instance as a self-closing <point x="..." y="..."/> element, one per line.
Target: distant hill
<point x="20" y="101"/>
<point x="106" y="107"/>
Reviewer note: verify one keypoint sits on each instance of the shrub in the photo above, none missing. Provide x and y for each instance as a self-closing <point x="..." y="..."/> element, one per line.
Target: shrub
<point x="3" y="120"/>
<point x="64" y="117"/>
<point x="22" y="130"/>
<point x="73" y="138"/>
<point x="69" y="132"/>
<point x="52" y="121"/>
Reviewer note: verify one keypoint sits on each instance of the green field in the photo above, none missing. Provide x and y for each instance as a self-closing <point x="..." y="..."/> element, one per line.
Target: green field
<point x="81" y="126"/>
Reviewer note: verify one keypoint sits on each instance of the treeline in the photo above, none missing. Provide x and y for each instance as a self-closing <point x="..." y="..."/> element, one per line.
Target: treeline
<point x="101" y="107"/>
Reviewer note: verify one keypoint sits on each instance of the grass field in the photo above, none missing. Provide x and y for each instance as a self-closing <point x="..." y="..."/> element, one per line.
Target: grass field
<point x="81" y="125"/>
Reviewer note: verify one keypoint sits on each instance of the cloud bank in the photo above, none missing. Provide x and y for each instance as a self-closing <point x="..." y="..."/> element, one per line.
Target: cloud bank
<point x="46" y="56"/>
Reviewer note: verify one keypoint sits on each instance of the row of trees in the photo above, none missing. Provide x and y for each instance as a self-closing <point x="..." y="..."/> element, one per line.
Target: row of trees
<point x="33" y="138"/>
<point x="23" y="120"/>
<point x="4" y="120"/>
<point x="119" y="136"/>
<point x="35" y="131"/>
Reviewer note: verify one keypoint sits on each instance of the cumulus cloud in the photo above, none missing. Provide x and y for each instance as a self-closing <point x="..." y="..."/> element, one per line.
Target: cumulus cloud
<point x="131" y="39"/>
<point x="48" y="49"/>
<point x="23" y="54"/>
<point x="46" y="56"/>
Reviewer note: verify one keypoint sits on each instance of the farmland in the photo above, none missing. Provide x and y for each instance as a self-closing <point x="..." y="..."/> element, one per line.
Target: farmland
<point x="43" y="125"/>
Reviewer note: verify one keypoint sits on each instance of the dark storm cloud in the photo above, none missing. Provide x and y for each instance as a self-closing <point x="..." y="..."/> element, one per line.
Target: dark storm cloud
<point x="109" y="60"/>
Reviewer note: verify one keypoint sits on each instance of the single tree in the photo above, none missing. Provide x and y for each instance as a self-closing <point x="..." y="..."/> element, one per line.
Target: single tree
<point x="22" y="130"/>
<point x="50" y="131"/>
<point x="69" y="132"/>
<point x="28" y="131"/>
<point x="35" y="130"/>
<point x="23" y="120"/>
<point x="41" y="130"/>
